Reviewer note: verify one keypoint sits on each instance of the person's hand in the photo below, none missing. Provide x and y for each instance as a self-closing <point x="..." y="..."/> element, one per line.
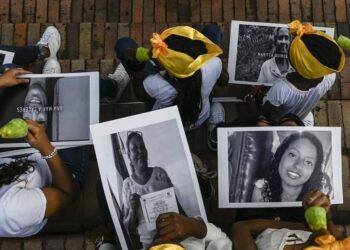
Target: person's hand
<point x="174" y="226"/>
<point x="9" y="78"/>
<point x="37" y="138"/>
<point x="134" y="201"/>
<point x="317" y="198"/>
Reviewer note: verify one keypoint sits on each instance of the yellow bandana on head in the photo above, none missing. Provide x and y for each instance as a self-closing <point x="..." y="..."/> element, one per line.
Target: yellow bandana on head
<point x="328" y="242"/>
<point x="177" y="63"/>
<point x="167" y="246"/>
<point x="301" y="58"/>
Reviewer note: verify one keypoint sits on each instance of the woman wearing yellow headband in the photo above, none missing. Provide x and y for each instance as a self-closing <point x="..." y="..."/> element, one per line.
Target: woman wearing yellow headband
<point x="284" y="235"/>
<point x="316" y="57"/>
<point x="189" y="70"/>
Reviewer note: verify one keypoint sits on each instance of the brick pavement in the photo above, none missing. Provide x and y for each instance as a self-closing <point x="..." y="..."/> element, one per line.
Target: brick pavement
<point x="90" y="28"/>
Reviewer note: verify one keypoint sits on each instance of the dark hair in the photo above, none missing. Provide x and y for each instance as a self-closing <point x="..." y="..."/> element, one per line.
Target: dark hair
<point x="272" y="188"/>
<point x="324" y="50"/>
<point x="292" y="117"/>
<point x="189" y="98"/>
<point x="10" y="172"/>
<point x="132" y="134"/>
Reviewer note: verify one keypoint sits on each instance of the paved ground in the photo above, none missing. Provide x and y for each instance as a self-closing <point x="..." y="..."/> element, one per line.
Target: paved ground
<point x="89" y="29"/>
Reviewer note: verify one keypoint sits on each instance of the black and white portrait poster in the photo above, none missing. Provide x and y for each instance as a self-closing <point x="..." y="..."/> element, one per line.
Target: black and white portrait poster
<point x="140" y="155"/>
<point x="6" y="57"/>
<point x="276" y="166"/>
<point x="259" y="52"/>
<point x="65" y="104"/>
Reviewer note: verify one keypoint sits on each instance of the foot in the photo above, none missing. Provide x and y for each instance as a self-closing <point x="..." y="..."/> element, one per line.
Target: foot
<point x="217" y="116"/>
<point x="52" y="66"/>
<point x="121" y="79"/>
<point x="50" y="39"/>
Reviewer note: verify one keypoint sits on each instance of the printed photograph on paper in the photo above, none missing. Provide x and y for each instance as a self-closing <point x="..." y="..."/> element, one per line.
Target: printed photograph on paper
<point x="6" y="57"/>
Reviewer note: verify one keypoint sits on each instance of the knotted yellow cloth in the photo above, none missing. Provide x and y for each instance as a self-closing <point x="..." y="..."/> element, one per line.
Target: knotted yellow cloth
<point x="328" y="242"/>
<point x="167" y="246"/>
<point x="301" y="58"/>
<point x="177" y="63"/>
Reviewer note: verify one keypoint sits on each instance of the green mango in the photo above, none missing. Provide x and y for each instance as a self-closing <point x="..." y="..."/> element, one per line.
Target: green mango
<point x="16" y="128"/>
<point x="316" y="217"/>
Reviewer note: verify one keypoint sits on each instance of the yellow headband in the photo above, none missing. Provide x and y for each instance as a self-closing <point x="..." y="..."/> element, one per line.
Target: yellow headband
<point x="177" y="63"/>
<point x="301" y="58"/>
<point x="328" y="242"/>
<point x="167" y="246"/>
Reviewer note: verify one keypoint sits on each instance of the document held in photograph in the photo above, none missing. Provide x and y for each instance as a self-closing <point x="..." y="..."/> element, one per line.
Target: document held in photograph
<point x="156" y="203"/>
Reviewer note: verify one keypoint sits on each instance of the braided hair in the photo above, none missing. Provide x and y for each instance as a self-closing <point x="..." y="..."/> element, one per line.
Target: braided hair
<point x="272" y="188"/>
<point x="10" y="172"/>
<point x="189" y="98"/>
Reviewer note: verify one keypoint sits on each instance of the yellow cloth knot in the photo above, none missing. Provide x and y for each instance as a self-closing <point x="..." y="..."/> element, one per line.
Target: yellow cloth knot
<point x="159" y="46"/>
<point x="328" y="242"/>
<point x="297" y="28"/>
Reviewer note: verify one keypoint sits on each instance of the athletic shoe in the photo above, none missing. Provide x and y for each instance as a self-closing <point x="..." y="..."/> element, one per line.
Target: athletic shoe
<point x="121" y="79"/>
<point x="217" y="116"/>
<point x="51" y="39"/>
<point x="52" y="66"/>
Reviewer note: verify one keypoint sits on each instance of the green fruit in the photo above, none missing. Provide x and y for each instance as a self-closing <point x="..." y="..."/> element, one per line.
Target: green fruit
<point x="316" y="217"/>
<point x="344" y="42"/>
<point x="16" y="128"/>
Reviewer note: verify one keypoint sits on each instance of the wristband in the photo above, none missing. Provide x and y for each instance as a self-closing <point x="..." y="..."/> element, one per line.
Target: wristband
<point x="49" y="156"/>
<point x="142" y="54"/>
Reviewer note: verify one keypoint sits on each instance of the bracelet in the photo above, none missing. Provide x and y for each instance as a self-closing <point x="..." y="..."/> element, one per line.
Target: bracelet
<point x="49" y="156"/>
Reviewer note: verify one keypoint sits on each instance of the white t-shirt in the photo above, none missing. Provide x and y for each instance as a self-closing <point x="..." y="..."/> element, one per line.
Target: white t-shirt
<point x="214" y="240"/>
<point x="164" y="93"/>
<point x="22" y="203"/>
<point x="289" y="99"/>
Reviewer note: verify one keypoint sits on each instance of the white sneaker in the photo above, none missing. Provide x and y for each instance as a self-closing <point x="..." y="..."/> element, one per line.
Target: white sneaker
<point x="217" y="116"/>
<point x="52" y="66"/>
<point x="51" y="39"/>
<point x="121" y="79"/>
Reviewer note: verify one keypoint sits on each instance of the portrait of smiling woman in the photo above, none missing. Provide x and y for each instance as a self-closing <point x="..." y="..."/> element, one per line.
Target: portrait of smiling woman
<point x="296" y="168"/>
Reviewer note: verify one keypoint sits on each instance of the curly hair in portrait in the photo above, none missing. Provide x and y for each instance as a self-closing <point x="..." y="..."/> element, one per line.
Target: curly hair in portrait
<point x="272" y="188"/>
<point x="10" y="172"/>
<point x="189" y="98"/>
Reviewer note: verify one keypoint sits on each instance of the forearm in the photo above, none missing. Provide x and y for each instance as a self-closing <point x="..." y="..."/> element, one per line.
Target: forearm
<point x="333" y="230"/>
<point x="242" y="238"/>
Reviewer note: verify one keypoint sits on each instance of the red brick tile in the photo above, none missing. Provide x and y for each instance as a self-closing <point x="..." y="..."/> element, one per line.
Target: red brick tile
<point x="348" y="9"/>
<point x="33" y="33"/>
<point x="160" y="27"/>
<point x="72" y="37"/>
<point x="159" y="11"/>
<point x="20" y="34"/>
<point x="295" y="9"/>
<point x="13" y="244"/>
<point x="184" y="7"/>
<point x="344" y="74"/>
<point x="262" y="11"/>
<point x="239" y="6"/>
<point x="75" y="242"/>
<point x="321" y="114"/>
<point x="41" y="11"/>
<point x="195" y="10"/>
<point x="53" y="14"/>
<point x="113" y="11"/>
<point x="98" y="40"/>
<point x="317" y="10"/>
<point x="272" y="11"/>
<point x="228" y="10"/>
<point x="32" y="244"/>
<point x="206" y="10"/>
<point x="63" y="52"/>
<point x="77" y="65"/>
<point x="251" y="7"/>
<point x="345" y="90"/>
<point x="56" y="243"/>
<point x="335" y="116"/>
<point x="65" y="68"/>
<point x="123" y="30"/>
<point x="148" y="11"/>
<point x="106" y="67"/>
<point x="306" y="10"/>
<point x="111" y="36"/>
<point x="88" y="10"/>
<point x="77" y="11"/>
<point x="171" y="11"/>
<point x="340" y="10"/>
<point x="284" y="11"/>
<point x="125" y="11"/>
<point x="92" y="65"/>
<point x="16" y="11"/>
<point x="85" y="41"/>
<point x="29" y="11"/>
<point x="137" y="12"/>
<point x="65" y="11"/>
<point x="329" y="11"/>
<point x="136" y="32"/>
<point x="148" y="29"/>
<point x="7" y="31"/>
<point x="346" y="120"/>
<point x="4" y="11"/>
<point x="334" y="92"/>
<point x="100" y="11"/>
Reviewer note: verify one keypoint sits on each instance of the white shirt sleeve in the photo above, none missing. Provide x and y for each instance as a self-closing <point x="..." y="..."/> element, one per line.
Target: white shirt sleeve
<point x="326" y="84"/>
<point x="277" y="94"/>
<point x="211" y="72"/>
<point x="23" y="208"/>
<point x="216" y="239"/>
